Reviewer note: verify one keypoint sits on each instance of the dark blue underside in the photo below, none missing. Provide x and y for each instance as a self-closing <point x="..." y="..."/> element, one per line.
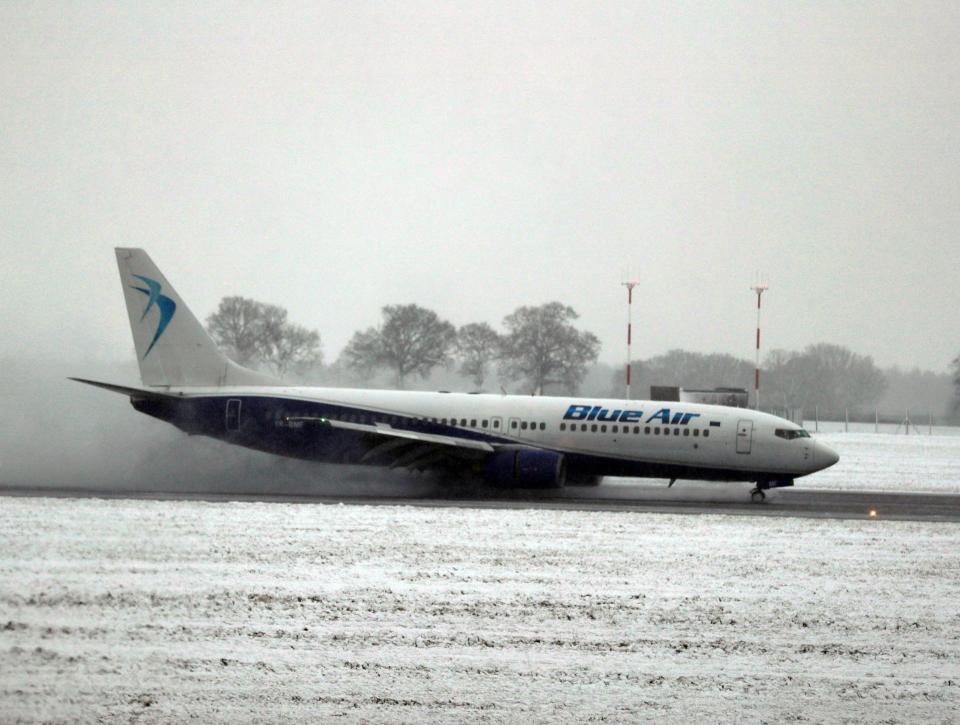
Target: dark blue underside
<point x="263" y="425"/>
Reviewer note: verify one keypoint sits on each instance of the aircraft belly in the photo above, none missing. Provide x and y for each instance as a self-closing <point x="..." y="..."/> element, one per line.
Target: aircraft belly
<point x="586" y="464"/>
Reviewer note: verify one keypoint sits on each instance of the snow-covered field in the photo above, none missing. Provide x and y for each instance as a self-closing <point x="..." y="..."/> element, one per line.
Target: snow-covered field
<point x="890" y="462"/>
<point x="869" y="461"/>
<point x="163" y="611"/>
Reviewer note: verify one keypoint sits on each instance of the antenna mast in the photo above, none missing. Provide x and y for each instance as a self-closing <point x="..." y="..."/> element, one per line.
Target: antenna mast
<point x="629" y="285"/>
<point x="759" y="288"/>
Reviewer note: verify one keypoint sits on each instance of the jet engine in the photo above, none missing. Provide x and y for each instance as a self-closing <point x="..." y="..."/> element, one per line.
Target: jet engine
<point x="521" y="467"/>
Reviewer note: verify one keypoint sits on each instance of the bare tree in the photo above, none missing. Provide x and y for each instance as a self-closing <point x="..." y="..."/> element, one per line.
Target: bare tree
<point x="363" y="354"/>
<point x="237" y="327"/>
<point x="696" y="370"/>
<point x="412" y="340"/>
<point x="479" y="346"/>
<point x="543" y="348"/>
<point x="781" y="383"/>
<point x="295" y="347"/>
<point x="254" y="333"/>
<point x="828" y="376"/>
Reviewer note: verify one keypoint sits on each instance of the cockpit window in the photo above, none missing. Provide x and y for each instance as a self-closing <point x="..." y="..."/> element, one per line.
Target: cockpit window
<point x="791" y="434"/>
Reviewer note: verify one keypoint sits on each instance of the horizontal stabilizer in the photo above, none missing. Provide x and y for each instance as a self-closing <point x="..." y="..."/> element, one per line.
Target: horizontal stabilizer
<point x="123" y="390"/>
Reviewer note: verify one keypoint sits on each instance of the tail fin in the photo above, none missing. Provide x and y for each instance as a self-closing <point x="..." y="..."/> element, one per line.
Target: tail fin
<point x="172" y="346"/>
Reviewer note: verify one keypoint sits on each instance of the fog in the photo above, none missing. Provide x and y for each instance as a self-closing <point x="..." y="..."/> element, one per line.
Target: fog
<point x="333" y="158"/>
<point x="60" y="434"/>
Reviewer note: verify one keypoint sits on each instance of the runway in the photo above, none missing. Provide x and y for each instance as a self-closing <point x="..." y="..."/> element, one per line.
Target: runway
<point x="685" y="498"/>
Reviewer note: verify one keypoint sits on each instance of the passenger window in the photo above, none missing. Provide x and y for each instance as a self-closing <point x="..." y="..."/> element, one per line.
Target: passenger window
<point x="444" y="421"/>
<point x="513" y="424"/>
<point x="686" y="431"/>
<point x="646" y="430"/>
<point x="676" y="431"/>
<point x="543" y="426"/>
<point x="593" y="428"/>
<point x="496" y="424"/>
<point x="706" y="434"/>
<point x="636" y="430"/>
<point x="463" y="422"/>
<point x="696" y="432"/>
<point x="656" y="431"/>
<point x="483" y="424"/>
<point x="473" y="422"/>
<point x="563" y="426"/>
<point x="583" y="427"/>
<point x="523" y="425"/>
<point x="603" y="429"/>
<point x="614" y="429"/>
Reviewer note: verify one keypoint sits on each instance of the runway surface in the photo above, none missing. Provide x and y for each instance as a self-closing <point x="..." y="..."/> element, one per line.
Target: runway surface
<point x="688" y="498"/>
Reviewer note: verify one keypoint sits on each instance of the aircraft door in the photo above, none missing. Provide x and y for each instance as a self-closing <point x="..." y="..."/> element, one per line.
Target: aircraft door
<point x="744" y="436"/>
<point x="513" y="427"/>
<point x="233" y="414"/>
<point x="496" y="424"/>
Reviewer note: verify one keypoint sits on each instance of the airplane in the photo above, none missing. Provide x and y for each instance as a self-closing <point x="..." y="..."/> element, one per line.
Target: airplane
<point x="503" y="440"/>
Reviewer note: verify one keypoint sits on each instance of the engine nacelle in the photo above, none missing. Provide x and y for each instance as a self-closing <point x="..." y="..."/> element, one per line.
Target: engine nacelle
<point x="521" y="467"/>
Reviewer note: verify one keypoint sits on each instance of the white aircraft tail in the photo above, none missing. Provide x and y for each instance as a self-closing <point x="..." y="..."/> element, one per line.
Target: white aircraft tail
<point x="173" y="349"/>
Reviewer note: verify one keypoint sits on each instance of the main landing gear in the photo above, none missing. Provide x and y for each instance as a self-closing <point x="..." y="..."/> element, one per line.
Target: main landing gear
<point x="757" y="494"/>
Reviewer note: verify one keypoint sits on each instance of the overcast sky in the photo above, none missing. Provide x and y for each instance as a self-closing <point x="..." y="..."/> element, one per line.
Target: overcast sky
<point x="471" y="158"/>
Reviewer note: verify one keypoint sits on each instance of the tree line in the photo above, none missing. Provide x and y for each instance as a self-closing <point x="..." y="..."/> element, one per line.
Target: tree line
<point x="256" y="334"/>
<point x="825" y="376"/>
<point x="540" y="348"/>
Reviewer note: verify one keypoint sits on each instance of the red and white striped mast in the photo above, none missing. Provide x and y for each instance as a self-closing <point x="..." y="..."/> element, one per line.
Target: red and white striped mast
<point x="629" y="285"/>
<point x="759" y="288"/>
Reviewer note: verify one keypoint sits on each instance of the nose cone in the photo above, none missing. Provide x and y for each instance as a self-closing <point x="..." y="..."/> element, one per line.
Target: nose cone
<point x="824" y="456"/>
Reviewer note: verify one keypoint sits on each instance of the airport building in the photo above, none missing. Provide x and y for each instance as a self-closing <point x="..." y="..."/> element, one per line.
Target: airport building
<point x="731" y="397"/>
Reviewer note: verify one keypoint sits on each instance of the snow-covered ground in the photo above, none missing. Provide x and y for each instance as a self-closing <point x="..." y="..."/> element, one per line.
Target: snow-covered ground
<point x="890" y="462"/>
<point x="884" y="461"/>
<point x="163" y="611"/>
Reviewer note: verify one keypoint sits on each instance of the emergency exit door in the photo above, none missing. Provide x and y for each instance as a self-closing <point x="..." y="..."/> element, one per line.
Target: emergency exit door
<point x="744" y="436"/>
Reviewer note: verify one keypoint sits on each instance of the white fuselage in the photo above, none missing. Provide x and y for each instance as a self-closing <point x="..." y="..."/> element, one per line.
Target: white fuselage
<point x="709" y="437"/>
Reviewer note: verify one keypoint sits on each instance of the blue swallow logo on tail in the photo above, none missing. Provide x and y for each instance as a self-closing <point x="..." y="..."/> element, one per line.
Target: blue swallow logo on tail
<point x="165" y="305"/>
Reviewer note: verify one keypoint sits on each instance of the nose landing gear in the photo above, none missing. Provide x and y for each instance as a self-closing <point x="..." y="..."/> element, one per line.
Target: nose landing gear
<point x="757" y="494"/>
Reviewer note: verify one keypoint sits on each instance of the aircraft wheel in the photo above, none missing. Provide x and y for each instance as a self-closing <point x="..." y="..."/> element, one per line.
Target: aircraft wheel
<point x="758" y="496"/>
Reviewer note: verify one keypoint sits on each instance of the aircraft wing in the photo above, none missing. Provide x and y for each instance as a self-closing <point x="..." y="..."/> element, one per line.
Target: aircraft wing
<point x="397" y="448"/>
